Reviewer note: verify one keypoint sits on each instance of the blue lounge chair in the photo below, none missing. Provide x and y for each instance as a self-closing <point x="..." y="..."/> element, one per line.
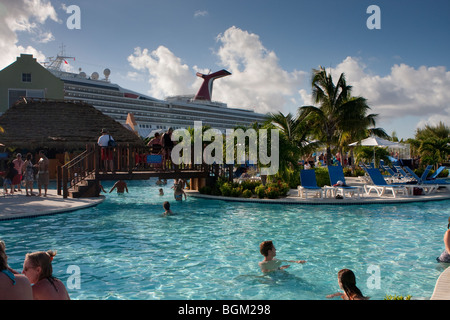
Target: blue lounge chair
<point x="309" y="184"/>
<point x="394" y="176"/>
<point x="437" y="172"/>
<point x="336" y="174"/>
<point x="426" y="172"/>
<point x="381" y="186"/>
<point x="404" y="175"/>
<point x="420" y="181"/>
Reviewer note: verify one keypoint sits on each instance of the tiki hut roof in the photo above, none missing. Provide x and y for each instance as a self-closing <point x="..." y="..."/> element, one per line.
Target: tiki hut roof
<point x="33" y="124"/>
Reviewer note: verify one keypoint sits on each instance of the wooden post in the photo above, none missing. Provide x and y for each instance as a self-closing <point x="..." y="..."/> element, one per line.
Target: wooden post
<point x="58" y="180"/>
<point x="64" y="182"/>
<point x="131" y="158"/>
<point x="96" y="160"/>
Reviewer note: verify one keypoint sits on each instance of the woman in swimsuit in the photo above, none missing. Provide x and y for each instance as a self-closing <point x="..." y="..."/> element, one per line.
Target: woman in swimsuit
<point x="178" y="190"/>
<point x="347" y="282"/>
<point x="445" y="255"/>
<point x="38" y="269"/>
<point x="28" y="174"/>
<point x="12" y="286"/>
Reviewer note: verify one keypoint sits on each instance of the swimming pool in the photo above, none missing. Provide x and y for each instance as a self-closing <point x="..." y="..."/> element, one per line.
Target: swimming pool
<point x="125" y="249"/>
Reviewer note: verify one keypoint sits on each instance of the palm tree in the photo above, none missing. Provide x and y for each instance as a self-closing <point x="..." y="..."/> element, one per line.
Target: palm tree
<point x="294" y="141"/>
<point x="339" y="115"/>
<point x="433" y="143"/>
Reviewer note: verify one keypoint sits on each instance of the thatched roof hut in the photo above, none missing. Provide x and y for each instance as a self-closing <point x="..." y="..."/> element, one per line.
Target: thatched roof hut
<point x="33" y="124"/>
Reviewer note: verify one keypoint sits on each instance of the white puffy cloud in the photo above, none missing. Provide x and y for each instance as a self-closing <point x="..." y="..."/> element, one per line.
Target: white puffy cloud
<point x="257" y="82"/>
<point x="23" y="16"/>
<point x="168" y="75"/>
<point x="406" y="91"/>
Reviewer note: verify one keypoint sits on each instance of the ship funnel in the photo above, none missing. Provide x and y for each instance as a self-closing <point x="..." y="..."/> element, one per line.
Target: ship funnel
<point x="205" y="91"/>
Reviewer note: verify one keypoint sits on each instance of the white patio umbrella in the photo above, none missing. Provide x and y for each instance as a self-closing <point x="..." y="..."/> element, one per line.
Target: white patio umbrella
<point x="375" y="142"/>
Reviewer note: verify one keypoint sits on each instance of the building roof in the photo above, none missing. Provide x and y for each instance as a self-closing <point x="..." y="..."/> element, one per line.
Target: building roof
<point x="58" y="124"/>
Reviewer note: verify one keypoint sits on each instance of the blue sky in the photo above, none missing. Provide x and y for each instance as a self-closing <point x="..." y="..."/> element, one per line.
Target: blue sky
<point x="155" y="47"/>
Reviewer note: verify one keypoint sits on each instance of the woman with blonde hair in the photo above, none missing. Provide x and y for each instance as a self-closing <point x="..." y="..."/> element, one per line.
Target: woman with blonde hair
<point x="38" y="269"/>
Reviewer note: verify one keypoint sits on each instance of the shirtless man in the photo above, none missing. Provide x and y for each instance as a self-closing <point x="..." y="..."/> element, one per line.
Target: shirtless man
<point x="43" y="176"/>
<point x="269" y="263"/>
<point x="121" y="187"/>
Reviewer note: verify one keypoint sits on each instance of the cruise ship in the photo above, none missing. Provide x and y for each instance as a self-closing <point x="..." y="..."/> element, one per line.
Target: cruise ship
<point x="150" y="114"/>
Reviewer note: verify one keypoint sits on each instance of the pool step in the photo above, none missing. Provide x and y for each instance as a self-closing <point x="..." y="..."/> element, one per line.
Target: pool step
<point x="88" y="188"/>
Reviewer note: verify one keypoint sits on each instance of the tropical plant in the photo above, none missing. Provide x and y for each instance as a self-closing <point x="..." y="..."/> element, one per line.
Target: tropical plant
<point x="397" y="297"/>
<point x="366" y="154"/>
<point x="432" y="143"/>
<point x="294" y="142"/>
<point x="339" y="116"/>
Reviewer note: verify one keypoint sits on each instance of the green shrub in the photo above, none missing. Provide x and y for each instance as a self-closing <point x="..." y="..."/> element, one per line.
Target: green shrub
<point x="236" y="192"/>
<point x="225" y="189"/>
<point x="205" y="190"/>
<point x="272" y="193"/>
<point x="322" y="177"/>
<point x="395" y="297"/>
<point x="260" y="191"/>
<point x="247" y="193"/>
<point x="347" y="172"/>
<point x="249" y="185"/>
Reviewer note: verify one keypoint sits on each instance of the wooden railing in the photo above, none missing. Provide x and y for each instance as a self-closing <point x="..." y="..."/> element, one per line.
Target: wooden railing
<point x="77" y="170"/>
<point x="130" y="160"/>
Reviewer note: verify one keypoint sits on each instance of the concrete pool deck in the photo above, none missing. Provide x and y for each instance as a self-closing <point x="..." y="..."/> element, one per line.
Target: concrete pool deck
<point x="19" y="205"/>
<point x="372" y="198"/>
<point x="294" y="199"/>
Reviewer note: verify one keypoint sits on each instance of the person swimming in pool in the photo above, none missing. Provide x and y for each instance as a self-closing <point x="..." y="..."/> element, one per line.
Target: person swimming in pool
<point x="37" y="267"/>
<point x="13" y="286"/>
<point x="269" y="263"/>
<point x="166" y="206"/>
<point x="445" y="255"/>
<point x="121" y="187"/>
<point x="178" y="190"/>
<point x="347" y="282"/>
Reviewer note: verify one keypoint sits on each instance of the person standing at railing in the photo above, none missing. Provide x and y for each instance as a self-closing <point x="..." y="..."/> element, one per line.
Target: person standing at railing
<point x="167" y="144"/>
<point x="156" y="148"/>
<point x="106" y="150"/>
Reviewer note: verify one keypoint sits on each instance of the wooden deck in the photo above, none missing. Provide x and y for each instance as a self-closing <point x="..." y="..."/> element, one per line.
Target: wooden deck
<point x="82" y="175"/>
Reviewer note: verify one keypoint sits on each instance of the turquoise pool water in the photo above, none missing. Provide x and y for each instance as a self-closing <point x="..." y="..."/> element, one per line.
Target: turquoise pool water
<point x="125" y="249"/>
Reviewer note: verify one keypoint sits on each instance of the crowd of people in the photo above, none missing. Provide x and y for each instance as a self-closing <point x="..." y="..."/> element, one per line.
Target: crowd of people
<point x="23" y="173"/>
<point x="37" y="281"/>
